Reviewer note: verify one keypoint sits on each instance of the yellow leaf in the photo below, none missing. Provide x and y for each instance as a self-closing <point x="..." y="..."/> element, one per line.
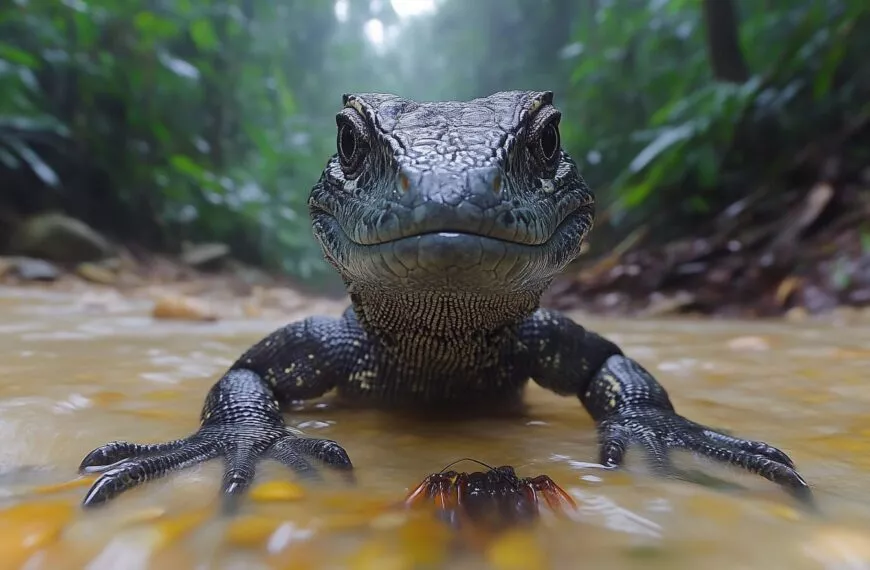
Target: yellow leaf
<point x="517" y="550"/>
<point x="251" y="531"/>
<point x="64" y="486"/>
<point x="27" y="527"/>
<point x="277" y="491"/>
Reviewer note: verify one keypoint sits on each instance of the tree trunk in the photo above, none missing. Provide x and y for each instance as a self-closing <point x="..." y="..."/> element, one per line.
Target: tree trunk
<point x="723" y="42"/>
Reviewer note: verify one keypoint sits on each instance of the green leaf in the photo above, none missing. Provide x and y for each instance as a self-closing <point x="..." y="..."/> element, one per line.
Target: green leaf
<point x="35" y="162"/>
<point x="42" y="124"/>
<point x="178" y="66"/>
<point x="633" y="196"/>
<point x="666" y="139"/>
<point x="203" y="35"/>
<point x="865" y="240"/>
<point x="825" y="77"/>
<point x="18" y="56"/>
<point x="708" y="166"/>
<point x="698" y="203"/>
<point x="10" y="160"/>
<point x="154" y="27"/>
<point x="185" y="165"/>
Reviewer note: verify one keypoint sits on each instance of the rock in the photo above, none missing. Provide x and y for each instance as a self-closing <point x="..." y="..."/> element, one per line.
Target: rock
<point x="749" y="344"/>
<point x="6" y="266"/>
<point x="30" y="269"/>
<point x="96" y="273"/>
<point x="205" y="255"/>
<point x="796" y="315"/>
<point x="57" y="237"/>
<point x="662" y="305"/>
<point x="248" y="274"/>
<point x="183" y="308"/>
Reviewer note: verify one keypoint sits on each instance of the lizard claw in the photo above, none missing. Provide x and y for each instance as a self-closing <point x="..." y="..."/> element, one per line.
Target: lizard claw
<point x="292" y="452"/>
<point x="660" y="430"/>
<point x="126" y="465"/>
<point x="241" y="423"/>
<point x="109" y="455"/>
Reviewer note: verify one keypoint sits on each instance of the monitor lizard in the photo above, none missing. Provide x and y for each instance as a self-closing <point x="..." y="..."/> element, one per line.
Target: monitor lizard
<point x="446" y="220"/>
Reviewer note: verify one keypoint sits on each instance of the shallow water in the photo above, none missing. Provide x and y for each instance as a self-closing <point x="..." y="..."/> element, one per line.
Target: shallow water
<point x="74" y="375"/>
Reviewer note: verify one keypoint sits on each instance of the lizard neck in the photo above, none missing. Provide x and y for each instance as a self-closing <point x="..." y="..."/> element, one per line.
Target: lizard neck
<point x="453" y="315"/>
<point x="442" y="331"/>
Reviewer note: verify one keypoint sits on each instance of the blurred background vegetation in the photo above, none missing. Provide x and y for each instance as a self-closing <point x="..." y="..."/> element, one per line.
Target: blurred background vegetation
<point x="164" y="121"/>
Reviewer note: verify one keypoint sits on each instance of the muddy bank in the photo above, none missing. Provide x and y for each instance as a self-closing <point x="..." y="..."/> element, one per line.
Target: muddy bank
<point x="797" y="254"/>
<point x="806" y="251"/>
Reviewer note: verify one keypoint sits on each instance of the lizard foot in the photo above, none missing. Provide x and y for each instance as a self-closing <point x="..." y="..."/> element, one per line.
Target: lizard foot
<point x="659" y="430"/>
<point x="236" y="430"/>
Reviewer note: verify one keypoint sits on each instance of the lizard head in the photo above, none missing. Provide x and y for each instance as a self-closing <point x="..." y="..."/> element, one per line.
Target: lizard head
<point x="475" y="197"/>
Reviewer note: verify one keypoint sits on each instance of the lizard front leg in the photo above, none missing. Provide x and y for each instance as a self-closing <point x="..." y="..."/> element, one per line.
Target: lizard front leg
<point x="630" y="406"/>
<point x="241" y="419"/>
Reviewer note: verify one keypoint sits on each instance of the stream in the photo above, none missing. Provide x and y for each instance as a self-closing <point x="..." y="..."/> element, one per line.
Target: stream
<point x="75" y="375"/>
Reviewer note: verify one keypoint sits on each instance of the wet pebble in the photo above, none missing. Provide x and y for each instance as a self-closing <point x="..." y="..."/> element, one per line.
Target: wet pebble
<point x="183" y="308"/>
<point x="797" y="315"/>
<point x="749" y="343"/>
<point x="31" y="269"/>
<point x="5" y="266"/>
<point x="96" y="273"/>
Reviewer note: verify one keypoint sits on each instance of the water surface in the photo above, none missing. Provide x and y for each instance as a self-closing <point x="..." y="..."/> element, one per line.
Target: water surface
<point x="75" y="374"/>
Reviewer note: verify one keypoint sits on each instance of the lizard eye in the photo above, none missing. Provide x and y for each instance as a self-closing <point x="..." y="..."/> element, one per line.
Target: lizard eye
<point x="351" y="142"/>
<point x="346" y="143"/>
<point x="549" y="141"/>
<point x="545" y="141"/>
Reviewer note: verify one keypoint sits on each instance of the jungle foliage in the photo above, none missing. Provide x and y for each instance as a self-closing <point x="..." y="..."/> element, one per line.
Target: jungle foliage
<point x="167" y="120"/>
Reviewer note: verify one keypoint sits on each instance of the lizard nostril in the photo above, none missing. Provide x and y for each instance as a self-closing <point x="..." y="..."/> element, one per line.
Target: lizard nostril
<point x="496" y="183"/>
<point x="405" y="182"/>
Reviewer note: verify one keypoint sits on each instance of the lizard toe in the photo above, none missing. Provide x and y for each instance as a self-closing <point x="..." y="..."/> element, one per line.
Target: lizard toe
<point x="293" y="451"/>
<point x="326" y="450"/>
<point x="755" y="447"/>
<point x="748" y="455"/>
<point x="659" y="430"/>
<point x="109" y="455"/>
<point x="129" y="473"/>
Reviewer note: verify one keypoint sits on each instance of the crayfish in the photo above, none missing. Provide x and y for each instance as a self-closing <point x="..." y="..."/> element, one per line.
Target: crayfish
<point x="494" y="499"/>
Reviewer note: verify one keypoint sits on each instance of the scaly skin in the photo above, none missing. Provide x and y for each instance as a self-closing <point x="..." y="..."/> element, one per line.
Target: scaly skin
<point x="446" y="221"/>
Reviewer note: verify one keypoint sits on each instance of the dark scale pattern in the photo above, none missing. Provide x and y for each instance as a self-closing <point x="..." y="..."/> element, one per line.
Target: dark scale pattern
<point x="446" y="221"/>
<point x="424" y="350"/>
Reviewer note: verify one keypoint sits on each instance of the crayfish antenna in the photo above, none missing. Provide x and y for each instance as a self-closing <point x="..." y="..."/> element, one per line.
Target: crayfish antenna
<point x="449" y="465"/>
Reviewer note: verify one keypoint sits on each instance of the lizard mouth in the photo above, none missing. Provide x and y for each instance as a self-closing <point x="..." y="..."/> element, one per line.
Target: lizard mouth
<point x="457" y="232"/>
<point x="532" y="225"/>
<point x="450" y="258"/>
